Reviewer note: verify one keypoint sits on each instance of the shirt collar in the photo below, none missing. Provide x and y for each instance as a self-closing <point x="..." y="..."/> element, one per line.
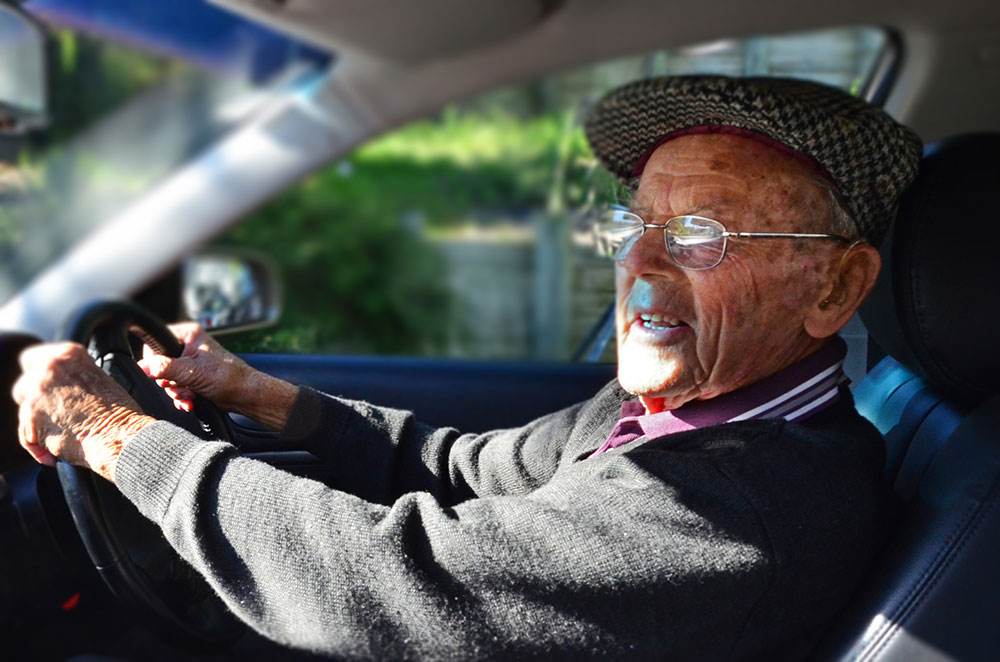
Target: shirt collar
<point x="795" y="393"/>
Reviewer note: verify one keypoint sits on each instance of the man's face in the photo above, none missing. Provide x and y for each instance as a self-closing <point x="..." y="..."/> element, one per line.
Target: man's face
<point x="685" y="335"/>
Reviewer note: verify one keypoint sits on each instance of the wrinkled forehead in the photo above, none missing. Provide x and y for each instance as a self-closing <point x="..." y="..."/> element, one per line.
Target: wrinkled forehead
<point x="744" y="179"/>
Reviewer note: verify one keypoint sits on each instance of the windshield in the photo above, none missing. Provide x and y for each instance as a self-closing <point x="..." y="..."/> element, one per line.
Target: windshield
<point x="137" y="89"/>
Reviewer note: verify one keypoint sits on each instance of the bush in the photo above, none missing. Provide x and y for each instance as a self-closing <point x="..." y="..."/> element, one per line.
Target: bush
<point x="360" y="273"/>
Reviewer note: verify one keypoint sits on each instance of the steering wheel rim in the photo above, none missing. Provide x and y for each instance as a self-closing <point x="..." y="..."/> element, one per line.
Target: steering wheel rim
<point x="129" y="552"/>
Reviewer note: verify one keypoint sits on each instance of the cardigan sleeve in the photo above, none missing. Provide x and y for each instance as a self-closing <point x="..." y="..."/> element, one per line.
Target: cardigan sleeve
<point x="379" y="453"/>
<point x="622" y="554"/>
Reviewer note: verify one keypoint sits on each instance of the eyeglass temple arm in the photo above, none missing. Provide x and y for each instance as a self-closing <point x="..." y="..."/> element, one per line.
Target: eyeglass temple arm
<point x="764" y="235"/>
<point x="752" y="235"/>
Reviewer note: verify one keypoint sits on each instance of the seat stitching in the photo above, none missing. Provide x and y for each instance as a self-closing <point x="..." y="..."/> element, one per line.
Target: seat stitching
<point x="942" y="561"/>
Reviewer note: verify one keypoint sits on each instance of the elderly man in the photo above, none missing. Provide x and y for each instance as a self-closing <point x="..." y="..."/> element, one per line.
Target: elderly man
<point x="719" y="501"/>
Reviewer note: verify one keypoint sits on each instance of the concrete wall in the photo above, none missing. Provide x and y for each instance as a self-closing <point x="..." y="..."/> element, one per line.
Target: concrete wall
<point x="532" y="296"/>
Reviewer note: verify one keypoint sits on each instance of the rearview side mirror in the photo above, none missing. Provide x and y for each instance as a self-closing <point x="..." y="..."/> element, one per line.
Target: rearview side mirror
<point x="23" y="72"/>
<point x="227" y="291"/>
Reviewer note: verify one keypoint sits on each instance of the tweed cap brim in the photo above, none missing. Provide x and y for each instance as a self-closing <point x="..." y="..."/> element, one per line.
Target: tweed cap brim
<point x="869" y="157"/>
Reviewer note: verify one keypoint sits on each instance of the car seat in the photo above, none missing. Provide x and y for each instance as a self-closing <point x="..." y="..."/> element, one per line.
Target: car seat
<point x="934" y="594"/>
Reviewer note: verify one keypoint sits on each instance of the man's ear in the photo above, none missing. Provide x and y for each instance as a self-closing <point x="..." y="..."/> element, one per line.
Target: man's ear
<point x="850" y="282"/>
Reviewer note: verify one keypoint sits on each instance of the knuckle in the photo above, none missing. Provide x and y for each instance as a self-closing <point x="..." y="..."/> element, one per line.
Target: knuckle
<point x="185" y="331"/>
<point x="71" y="353"/>
<point x="25" y="393"/>
<point x="27" y="357"/>
<point x="76" y="350"/>
<point x="26" y="436"/>
<point x="36" y="418"/>
<point x="17" y="392"/>
<point x="48" y="375"/>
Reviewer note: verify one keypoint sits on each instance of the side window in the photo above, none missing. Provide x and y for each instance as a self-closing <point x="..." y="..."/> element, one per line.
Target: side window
<point x="465" y="234"/>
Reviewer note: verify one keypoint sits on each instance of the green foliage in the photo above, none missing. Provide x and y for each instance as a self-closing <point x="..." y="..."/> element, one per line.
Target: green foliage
<point x="352" y="241"/>
<point x="354" y="276"/>
<point x="468" y="161"/>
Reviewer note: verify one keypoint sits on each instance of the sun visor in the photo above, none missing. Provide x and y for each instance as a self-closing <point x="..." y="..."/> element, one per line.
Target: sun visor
<point x="407" y="32"/>
<point x="191" y="30"/>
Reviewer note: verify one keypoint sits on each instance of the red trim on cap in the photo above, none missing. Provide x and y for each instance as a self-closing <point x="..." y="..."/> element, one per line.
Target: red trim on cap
<point x="705" y="129"/>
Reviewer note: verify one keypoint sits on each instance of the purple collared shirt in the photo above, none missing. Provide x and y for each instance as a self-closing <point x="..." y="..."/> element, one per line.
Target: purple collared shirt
<point x="799" y="391"/>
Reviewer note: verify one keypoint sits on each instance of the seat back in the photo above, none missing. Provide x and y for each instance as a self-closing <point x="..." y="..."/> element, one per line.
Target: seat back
<point x="912" y="416"/>
<point x="935" y="592"/>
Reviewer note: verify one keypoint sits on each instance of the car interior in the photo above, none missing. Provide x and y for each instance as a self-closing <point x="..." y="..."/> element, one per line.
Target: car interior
<point x="931" y="595"/>
<point x="931" y="321"/>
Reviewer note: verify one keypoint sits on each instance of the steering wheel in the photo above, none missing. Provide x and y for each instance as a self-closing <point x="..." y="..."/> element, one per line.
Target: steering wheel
<point x="130" y="553"/>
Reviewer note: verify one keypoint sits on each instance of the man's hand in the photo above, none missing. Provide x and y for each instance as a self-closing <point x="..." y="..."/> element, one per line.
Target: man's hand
<point x="205" y="368"/>
<point x="71" y="410"/>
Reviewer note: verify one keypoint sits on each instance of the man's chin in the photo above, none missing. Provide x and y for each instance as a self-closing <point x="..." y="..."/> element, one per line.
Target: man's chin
<point x="648" y="371"/>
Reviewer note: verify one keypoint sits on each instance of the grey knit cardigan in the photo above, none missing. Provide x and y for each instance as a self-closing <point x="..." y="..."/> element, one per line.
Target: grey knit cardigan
<point x="739" y="541"/>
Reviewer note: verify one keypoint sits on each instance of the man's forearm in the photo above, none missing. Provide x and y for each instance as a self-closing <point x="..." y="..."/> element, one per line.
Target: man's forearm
<point x="268" y="400"/>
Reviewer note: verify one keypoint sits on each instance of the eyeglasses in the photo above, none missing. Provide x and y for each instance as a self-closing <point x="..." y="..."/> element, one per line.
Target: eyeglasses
<point x="693" y="242"/>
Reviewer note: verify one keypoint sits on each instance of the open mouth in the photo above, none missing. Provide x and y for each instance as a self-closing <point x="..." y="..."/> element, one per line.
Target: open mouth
<point x="659" y="322"/>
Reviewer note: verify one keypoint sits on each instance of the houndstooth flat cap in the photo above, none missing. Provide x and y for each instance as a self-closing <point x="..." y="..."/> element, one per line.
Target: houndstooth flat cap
<point x="866" y="154"/>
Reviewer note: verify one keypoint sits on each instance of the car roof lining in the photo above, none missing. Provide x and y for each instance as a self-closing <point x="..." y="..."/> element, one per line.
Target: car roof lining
<point x="952" y="50"/>
<point x="404" y="32"/>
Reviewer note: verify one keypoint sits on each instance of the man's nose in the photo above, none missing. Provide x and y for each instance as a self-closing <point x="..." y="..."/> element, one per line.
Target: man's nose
<point x="649" y="254"/>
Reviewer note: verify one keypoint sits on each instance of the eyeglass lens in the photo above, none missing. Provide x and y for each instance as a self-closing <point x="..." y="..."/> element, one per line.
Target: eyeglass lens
<point x="616" y="232"/>
<point x="692" y="242"/>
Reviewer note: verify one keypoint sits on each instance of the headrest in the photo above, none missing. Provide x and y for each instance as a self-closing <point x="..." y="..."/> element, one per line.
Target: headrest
<point x="936" y="306"/>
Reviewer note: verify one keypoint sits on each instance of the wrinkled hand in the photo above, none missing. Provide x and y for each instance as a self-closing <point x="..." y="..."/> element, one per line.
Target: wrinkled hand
<point x="70" y="409"/>
<point x="206" y="369"/>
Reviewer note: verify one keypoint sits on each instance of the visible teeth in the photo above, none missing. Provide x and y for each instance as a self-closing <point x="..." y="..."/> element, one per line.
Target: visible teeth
<point x="657" y="321"/>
